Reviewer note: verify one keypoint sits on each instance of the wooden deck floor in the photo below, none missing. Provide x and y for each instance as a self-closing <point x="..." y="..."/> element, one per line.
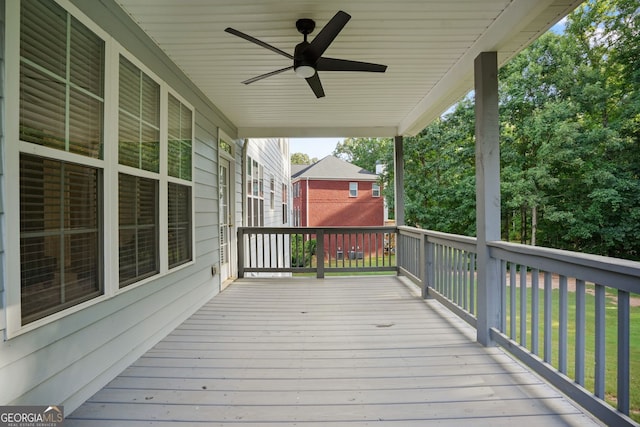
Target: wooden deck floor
<point x="333" y="352"/>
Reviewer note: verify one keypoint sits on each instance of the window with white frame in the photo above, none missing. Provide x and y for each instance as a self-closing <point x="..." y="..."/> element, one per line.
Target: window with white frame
<point x="179" y="159"/>
<point x="375" y="190"/>
<point x="138" y="185"/>
<point x="272" y="192"/>
<point x="353" y="189"/>
<point x="62" y="66"/>
<point x="64" y="172"/>
<point x="255" y="193"/>
<point x="285" y="204"/>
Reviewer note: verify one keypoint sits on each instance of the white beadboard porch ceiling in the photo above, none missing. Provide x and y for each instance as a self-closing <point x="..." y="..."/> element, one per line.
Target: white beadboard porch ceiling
<point x="428" y="45"/>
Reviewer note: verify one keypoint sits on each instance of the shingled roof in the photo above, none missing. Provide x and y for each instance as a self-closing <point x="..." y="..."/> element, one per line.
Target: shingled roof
<point x="333" y="168"/>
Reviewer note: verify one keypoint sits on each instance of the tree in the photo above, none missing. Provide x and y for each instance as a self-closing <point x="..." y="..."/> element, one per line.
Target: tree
<point x="570" y="142"/>
<point x="302" y="159"/>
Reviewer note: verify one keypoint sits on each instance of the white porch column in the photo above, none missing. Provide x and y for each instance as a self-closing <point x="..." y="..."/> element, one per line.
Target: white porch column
<point x="398" y="173"/>
<point x="487" y="191"/>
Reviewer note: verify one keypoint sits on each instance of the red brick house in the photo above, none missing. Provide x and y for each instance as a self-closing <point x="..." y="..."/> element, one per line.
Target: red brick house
<point x="333" y="192"/>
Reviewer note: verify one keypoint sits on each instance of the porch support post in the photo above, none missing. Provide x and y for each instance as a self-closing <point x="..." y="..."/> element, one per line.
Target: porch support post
<point x="487" y="192"/>
<point x="398" y="173"/>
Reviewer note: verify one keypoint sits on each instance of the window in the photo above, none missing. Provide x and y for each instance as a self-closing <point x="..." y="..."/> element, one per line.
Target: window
<point x="180" y="148"/>
<point x="285" y="204"/>
<point x="64" y="174"/>
<point x="179" y="224"/>
<point x="61" y="81"/>
<point x="353" y="189"/>
<point x="61" y="107"/>
<point x="60" y="235"/>
<point x="255" y="193"/>
<point x="138" y="236"/>
<point x="272" y="192"/>
<point x="139" y="119"/>
<point x="225" y="146"/>
<point x="180" y="139"/>
<point x="375" y="190"/>
<point x="138" y="148"/>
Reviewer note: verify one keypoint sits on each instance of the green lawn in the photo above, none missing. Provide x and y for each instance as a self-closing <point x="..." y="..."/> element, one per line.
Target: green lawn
<point x="611" y="338"/>
<point x="385" y="261"/>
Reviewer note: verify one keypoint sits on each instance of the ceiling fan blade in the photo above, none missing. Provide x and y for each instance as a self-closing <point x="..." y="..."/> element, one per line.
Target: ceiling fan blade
<point x="258" y="42"/>
<point x="332" y="64"/>
<point x="324" y="38"/>
<point x="316" y="85"/>
<point x="264" y="76"/>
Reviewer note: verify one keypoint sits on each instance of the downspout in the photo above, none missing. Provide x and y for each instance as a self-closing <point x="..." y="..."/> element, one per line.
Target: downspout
<point x="306" y="199"/>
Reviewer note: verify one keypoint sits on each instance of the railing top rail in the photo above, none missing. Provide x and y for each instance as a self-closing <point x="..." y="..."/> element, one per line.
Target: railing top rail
<point x="438" y="236"/>
<point x="307" y="230"/>
<point x="615" y="272"/>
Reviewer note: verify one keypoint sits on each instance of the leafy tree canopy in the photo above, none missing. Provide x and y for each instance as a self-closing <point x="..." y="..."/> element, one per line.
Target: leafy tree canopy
<point x="570" y="143"/>
<point x="302" y="159"/>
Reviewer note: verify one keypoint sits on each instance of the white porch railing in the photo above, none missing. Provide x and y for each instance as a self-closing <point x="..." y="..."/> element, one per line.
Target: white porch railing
<point x="547" y="298"/>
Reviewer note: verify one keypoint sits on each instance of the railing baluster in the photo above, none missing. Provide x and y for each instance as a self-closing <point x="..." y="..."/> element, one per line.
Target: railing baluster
<point x="472" y="284"/>
<point x="443" y="278"/>
<point x="459" y="276"/>
<point x="512" y="302"/>
<point x="503" y="296"/>
<point x="465" y="280"/>
<point x="454" y="275"/>
<point x="547" y="316"/>
<point x="624" y="331"/>
<point x="523" y="305"/>
<point x="535" y="307"/>
<point x="600" y="342"/>
<point x="562" y="336"/>
<point x="580" y="331"/>
<point x="449" y="275"/>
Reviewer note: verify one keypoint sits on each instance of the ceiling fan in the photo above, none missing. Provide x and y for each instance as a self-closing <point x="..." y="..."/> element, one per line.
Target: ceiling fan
<point x="307" y="57"/>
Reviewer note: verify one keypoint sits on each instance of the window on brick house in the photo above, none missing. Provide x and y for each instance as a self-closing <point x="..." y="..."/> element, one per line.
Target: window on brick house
<point x="375" y="190"/>
<point x="353" y="189"/>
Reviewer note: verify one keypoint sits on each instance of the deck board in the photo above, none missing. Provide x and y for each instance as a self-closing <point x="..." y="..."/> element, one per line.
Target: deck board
<point x="332" y="352"/>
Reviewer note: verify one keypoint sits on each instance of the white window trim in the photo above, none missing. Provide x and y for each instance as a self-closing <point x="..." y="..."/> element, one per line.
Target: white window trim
<point x="108" y="164"/>
<point x="375" y="188"/>
<point x="350" y="189"/>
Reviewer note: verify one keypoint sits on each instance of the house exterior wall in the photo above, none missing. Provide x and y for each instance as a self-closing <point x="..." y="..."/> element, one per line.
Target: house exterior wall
<point x="329" y="204"/>
<point x="271" y="155"/>
<point x="68" y="356"/>
<point x="326" y="203"/>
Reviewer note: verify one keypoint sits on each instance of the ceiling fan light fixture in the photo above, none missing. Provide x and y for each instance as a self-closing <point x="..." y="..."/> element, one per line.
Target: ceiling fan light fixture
<point x="305" y="71"/>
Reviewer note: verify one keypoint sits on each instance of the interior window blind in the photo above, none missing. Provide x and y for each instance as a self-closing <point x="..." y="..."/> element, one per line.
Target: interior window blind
<point x="180" y="143"/>
<point x="139" y="115"/>
<point x="61" y="82"/>
<point x="180" y="224"/>
<point x="138" y="223"/>
<point x="60" y="248"/>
